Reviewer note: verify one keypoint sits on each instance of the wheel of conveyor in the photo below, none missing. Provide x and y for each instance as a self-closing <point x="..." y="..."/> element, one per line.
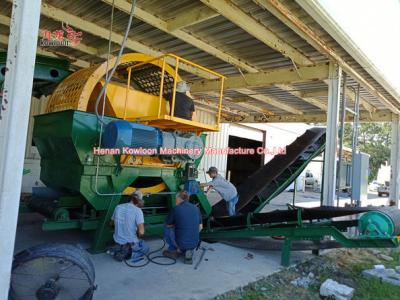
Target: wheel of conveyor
<point x="382" y="222"/>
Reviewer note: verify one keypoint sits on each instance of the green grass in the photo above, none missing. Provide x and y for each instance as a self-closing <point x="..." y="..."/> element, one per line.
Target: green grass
<point x="374" y="289"/>
<point x="278" y="286"/>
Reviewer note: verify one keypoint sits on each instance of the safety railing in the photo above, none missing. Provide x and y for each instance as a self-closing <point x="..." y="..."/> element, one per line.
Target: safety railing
<point x="169" y="65"/>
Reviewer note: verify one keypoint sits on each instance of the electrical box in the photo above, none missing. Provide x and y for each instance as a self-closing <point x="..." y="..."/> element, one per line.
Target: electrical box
<point x="360" y="177"/>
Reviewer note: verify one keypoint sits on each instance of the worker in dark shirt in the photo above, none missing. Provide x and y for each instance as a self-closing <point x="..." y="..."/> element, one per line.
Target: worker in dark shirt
<point x="184" y="105"/>
<point x="182" y="228"/>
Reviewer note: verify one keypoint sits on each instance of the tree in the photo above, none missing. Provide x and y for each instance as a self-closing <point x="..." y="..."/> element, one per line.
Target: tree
<point x="373" y="139"/>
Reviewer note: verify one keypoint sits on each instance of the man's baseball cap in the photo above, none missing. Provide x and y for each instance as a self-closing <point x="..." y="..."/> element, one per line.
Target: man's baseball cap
<point x="212" y="170"/>
<point x="182" y="87"/>
<point x="138" y="194"/>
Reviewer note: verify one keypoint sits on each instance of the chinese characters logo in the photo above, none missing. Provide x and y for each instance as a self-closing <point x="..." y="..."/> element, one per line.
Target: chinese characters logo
<point x="66" y="36"/>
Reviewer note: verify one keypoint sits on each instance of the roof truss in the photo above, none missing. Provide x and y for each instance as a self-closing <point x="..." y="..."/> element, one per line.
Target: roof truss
<point x="141" y="14"/>
<point x="280" y="11"/>
<point x="190" y="17"/>
<point x="275" y="76"/>
<point x="256" y="29"/>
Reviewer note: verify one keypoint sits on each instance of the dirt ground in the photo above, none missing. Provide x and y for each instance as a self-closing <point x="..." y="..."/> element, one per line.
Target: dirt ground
<point x="342" y="265"/>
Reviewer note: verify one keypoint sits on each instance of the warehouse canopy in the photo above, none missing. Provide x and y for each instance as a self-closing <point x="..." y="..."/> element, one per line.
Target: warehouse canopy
<point x="275" y="54"/>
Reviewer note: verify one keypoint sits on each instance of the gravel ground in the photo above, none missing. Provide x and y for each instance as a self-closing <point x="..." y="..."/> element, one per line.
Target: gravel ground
<point x="342" y="265"/>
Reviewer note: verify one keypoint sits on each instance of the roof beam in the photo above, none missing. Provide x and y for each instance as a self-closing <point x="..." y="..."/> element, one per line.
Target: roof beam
<point x="284" y="14"/>
<point x="243" y="104"/>
<point x="314" y="93"/>
<point x="349" y="93"/>
<point x="76" y="62"/>
<point x="190" y="17"/>
<point x="253" y="107"/>
<point x="205" y="46"/>
<point x="311" y="100"/>
<point x="364" y="103"/>
<point x="61" y="15"/>
<point x="379" y="116"/>
<point x="257" y="29"/>
<point x="224" y="109"/>
<point x="271" y="100"/>
<point x="275" y="76"/>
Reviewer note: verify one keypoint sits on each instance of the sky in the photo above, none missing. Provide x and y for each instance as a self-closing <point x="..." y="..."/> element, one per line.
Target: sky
<point x="374" y="26"/>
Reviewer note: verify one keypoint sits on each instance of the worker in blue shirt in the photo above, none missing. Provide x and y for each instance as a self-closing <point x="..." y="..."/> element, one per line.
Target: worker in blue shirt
<point x="226" y="189"/>
<point x="182" y="228"/>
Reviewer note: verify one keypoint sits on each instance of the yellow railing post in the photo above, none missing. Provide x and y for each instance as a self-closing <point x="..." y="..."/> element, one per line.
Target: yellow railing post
<point x="174" y="89"/>
<point x="166" y="66"/>
<point x="221" y="93"/>
<point x="161" y="87"/>
<point x="128" y="85"/>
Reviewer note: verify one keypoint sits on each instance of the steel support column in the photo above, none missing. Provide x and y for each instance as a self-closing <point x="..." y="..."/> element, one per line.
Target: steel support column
<point x="395" y="161"/>
<point x="341" y="137"/>
<point x="329" y="183"/>
<point x="354" y="142"/>
<point x="17" y="92"/>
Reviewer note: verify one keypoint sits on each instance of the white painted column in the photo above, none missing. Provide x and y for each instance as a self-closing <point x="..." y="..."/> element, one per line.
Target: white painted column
<point x="332" y="128"/>
<point x="395" y="161"/>
<point x="17" y="92"/>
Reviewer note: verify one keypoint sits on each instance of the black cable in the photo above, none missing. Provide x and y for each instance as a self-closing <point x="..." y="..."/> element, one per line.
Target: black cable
<point x="152" y="259"/>
<point x="109" y="74"/>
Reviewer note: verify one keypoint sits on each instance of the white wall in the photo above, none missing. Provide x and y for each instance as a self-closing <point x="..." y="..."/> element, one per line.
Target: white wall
<point x="280" y="134"/>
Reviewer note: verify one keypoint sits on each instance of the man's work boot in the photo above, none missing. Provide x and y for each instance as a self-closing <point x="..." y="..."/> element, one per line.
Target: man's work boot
<point x="189" y="257"/>
<point x="170" y="254"/>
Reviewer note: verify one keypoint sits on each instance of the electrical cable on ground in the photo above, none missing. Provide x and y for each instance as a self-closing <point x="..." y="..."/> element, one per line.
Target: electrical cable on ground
<point x="151" y="259"/>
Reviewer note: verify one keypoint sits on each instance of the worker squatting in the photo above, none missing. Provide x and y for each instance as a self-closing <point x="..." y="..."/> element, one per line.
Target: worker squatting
<point x="189" y="151"/>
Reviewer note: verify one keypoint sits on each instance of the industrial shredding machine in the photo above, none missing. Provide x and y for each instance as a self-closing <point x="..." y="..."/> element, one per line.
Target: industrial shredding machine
<point x="88" y="168"/>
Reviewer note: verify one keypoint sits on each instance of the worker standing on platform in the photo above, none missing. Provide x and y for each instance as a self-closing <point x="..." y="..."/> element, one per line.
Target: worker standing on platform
<point x="184" y="105"/>
<point x="128" y="221"/>
<point x="182" y="228"/>
<point x="226" y="189"/>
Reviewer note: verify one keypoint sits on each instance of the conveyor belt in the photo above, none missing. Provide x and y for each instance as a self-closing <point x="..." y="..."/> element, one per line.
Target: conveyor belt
<point x="282" y="216"/>
<point x="274" y="177"/>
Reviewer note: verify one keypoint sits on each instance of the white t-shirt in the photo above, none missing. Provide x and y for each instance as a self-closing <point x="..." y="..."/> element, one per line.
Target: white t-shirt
<point x="126" y="218"/>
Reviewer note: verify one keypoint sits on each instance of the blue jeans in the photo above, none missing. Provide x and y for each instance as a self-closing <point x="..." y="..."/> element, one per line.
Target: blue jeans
<point x="169" y="237"/>
<point x="232" y="204"/>
<point x="139" y="250"/>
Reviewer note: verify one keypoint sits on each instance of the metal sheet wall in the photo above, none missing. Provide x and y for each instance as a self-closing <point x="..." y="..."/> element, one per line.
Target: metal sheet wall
<point x="213" y="140"/>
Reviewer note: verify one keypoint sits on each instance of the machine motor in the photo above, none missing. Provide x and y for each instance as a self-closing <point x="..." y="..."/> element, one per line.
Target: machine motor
<point x="170" y="146"/>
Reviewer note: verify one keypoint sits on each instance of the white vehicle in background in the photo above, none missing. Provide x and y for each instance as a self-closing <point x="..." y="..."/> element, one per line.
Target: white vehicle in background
<point x="373" y="186"/>
<point x="384" y="189"/>
<point x="310" y="180"/>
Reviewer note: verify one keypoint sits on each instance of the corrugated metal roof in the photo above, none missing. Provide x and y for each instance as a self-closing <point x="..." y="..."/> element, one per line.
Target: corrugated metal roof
<point x="218" y="32"/>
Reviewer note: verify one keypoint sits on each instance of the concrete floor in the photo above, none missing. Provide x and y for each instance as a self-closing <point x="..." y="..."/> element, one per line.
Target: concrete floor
<point x="224" y="267"/>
